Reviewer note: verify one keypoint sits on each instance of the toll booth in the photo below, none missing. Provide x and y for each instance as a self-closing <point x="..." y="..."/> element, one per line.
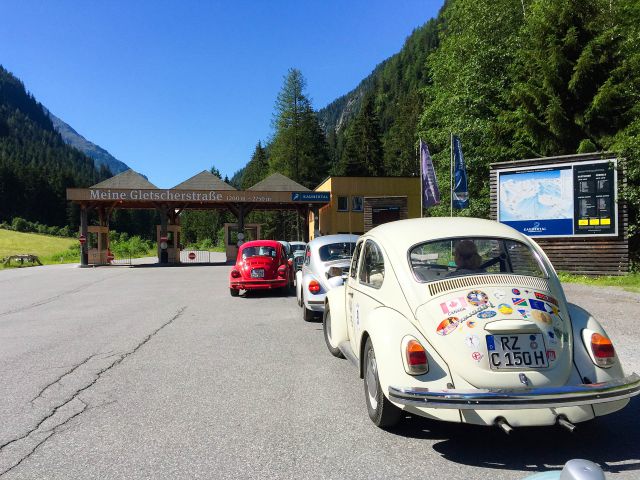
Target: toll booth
<point x="98" y="245"/>
<point x="172" y="242"/>
<point x="233" y="241"/>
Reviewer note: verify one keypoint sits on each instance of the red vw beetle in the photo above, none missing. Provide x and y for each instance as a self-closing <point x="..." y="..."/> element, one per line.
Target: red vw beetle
<point x="261" y="265"/>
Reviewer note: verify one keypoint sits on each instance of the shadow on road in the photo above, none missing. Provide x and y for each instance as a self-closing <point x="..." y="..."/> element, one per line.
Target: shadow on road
<point x="178" y="265"/>
<point x="611" y="441"/>
<point x="276" y="292"/>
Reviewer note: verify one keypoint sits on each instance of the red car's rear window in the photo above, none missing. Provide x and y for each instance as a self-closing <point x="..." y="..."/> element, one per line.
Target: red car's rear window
<point x="262" y="251"/>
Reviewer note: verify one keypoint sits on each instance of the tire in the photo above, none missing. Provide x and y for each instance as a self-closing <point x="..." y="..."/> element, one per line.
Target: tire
<point x="299" y="287"/>
<point x="382" y="412"/>
<point x="326" y="328"/>
<point x="307" y="315"/>
<point x="234" y="292"/>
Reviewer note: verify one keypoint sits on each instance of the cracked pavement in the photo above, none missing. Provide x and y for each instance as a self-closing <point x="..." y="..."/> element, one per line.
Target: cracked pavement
<point x="158" y="373"/>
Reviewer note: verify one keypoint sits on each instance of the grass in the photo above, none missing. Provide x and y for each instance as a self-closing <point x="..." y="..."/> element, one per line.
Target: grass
<point x="48" y="248"/>
<point x="630" y="282"/>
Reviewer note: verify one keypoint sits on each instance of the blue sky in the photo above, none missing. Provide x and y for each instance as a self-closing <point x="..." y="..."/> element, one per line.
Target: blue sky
<point x="173" y="87"/>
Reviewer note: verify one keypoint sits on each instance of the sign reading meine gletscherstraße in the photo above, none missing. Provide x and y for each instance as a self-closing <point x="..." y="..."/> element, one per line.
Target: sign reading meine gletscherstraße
<point x="141" y="196"/>
<point x="569" y="199"/>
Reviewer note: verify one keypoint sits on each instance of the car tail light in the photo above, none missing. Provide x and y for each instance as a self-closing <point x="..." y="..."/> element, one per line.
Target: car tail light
<point x="235" y="273"/>
<point x="314" y="286"/>
<point x="415" y="356"/>
<point x="603" y="351"/>
<point x="282" y="271"/>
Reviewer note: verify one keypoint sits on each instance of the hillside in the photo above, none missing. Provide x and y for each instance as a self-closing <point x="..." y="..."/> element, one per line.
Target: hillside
<point x="100" y="156"/>
<point x="395" y="86"/>
<point x="36" y="166"/>
<point x="44" y="246"/>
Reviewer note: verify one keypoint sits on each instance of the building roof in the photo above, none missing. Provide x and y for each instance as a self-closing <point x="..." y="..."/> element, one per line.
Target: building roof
<point x="278" y="183"/>
<point x="128" y="179"/>
<point x="205" y="180"/>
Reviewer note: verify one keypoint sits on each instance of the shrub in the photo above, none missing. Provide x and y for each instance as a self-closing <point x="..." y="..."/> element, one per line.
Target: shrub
<point x="20" y="224"/>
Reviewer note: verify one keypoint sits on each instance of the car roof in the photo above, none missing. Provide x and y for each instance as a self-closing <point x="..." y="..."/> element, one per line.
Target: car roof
<point x="403" y="234"/>
<point x="261" y="243"/>
<point x="328" y="239"/>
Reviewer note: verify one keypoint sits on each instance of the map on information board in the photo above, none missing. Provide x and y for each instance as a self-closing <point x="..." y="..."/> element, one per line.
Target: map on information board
<point x="560" y="200"/>
<point x="538" y="202"/>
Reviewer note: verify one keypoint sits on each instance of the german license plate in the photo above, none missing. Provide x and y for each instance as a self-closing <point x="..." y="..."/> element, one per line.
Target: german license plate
<point x="516" y="351"/>
<point x="257" y="273"/>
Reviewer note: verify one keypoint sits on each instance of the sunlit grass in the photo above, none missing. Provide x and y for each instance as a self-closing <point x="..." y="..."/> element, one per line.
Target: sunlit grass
<point x="47" y="248"/>
<point x="629" y="282"/>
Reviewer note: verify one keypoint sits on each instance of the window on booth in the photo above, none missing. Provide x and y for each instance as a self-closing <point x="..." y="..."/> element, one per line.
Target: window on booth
<point x="343" y="204"/>
<point x="356" y="203"/>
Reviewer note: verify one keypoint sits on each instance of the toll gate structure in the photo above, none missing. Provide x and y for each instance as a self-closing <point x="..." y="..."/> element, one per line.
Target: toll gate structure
<point x="203" y="191"/>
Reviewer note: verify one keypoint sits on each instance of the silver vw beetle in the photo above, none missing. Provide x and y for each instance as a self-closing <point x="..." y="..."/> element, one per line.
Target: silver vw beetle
<point x="325" y="266"/>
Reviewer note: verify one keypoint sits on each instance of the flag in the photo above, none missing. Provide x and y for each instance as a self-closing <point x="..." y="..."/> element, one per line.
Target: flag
<point x="459" y="191"/>
<point x="430" y="191"/>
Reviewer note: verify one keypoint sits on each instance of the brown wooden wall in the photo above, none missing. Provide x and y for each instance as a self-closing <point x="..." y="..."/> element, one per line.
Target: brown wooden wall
<point x="371" y="203"/>
<point x="581" y="255"/>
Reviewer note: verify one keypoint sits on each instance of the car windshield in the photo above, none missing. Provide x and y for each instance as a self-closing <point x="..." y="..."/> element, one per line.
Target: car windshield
<point x="262" y="251"/>
<point x="336" y="251"/>
<point x="456" y="257"/>
<point x="297" y="247"/>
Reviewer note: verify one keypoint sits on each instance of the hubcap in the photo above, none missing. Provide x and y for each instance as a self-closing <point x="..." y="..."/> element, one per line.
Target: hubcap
<point x="372" y="379"/>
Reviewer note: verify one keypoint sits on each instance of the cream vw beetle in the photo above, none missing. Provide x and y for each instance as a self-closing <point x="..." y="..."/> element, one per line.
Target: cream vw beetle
<point x="465" y="320"/>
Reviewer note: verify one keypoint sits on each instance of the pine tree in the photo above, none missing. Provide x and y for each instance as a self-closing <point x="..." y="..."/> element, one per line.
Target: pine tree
<point x="299" y="149"/>
<point x="257" y="168"/>
<point x="363" y="153"/>
<point x="215" y="171"/>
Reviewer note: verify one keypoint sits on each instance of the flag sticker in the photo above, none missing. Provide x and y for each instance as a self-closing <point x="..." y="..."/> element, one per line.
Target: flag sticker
<point x="538" y="305"/>
<point x="453" y="305"/>
<point x="520" y="302"/>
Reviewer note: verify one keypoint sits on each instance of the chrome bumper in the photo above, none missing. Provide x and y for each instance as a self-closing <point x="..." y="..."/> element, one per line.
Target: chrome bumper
<point x="518" y="398"/>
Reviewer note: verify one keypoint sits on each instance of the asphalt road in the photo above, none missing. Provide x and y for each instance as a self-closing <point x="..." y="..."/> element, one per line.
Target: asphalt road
<point x="158" y="373"/>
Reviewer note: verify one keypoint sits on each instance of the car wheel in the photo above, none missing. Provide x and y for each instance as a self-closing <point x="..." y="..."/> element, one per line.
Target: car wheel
<point x="326" y="327"/>
<point x="381" y="411"/>
<point x="299" y="291"/>
<point x="234" y="292"/>
<point x="307" y="315"/>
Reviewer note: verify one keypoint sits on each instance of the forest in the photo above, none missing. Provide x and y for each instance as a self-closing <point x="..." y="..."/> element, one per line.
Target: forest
<point x="513" y="79"/>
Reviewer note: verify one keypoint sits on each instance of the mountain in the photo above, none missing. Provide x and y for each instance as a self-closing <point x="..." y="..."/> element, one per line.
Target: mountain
<point x="100" y="156"/>
<point x="396" y="85"/>
<point x="36" y="165"/>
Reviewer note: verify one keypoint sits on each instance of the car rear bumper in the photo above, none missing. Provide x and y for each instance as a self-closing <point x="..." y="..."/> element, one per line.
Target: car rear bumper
<point x="518" y="398"/>
<point x="259" y="284"/>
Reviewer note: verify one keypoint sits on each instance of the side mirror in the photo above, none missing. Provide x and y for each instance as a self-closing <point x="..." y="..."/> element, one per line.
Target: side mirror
<point x="290" y="262"/>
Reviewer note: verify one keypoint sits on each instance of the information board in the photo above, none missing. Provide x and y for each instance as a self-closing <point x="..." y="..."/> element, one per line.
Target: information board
<point x="561" y="200"/>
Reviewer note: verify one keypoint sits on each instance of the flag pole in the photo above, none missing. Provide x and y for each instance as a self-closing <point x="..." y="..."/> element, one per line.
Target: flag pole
<point x="451" y="184"/>
<point x="419" y="148"/>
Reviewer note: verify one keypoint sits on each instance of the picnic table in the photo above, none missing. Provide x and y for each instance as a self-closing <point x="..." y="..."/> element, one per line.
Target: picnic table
<point x="22" y="258"/>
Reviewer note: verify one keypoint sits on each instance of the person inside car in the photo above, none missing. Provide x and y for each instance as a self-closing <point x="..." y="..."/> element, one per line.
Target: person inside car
<point x="467" y="259"/>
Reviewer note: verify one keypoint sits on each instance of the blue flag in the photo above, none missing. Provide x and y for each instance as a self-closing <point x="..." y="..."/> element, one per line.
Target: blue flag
<point x="430" y="191"/>
<point x="460" y="190"/>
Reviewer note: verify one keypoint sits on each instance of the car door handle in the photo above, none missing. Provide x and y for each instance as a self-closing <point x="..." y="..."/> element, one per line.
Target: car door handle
<point x="350" y="294"/>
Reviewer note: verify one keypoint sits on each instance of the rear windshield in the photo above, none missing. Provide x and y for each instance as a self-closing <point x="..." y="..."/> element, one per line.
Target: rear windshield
<point x="259" y="252"/>
<point x="336" y="251"/>
<point x="473" y="256"/>
<point x="298" y="247"/>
